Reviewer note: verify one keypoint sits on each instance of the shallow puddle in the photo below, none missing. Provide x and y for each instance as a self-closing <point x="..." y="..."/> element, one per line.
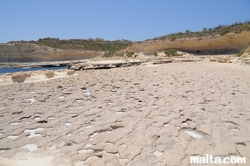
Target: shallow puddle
<point x="32" y="132"/>
<point x="193" y="133"/>
<point x="30" y="147"/>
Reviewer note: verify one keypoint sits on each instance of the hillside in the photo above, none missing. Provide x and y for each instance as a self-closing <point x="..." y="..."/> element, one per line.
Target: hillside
<point x="52" y="49"/>
<point x="26" y="52"/>
<point x="229" y="39"/>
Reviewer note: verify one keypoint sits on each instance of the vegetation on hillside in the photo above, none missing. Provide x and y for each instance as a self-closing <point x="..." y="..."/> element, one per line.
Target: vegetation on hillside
<point x="98" y="44"/>
<point x="221" y="30"/>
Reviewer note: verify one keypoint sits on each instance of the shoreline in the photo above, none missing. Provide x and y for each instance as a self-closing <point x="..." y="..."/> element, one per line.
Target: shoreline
<point x="74" y="68"/>
<point x="66" y="63"/>
<point x="39" y="64"/>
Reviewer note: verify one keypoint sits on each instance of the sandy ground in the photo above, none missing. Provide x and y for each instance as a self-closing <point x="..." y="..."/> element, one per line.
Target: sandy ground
<point x="143" y="115"/>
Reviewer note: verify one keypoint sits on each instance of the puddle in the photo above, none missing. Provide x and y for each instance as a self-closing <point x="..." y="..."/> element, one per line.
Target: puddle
<point x="193" y="134"/>
<point x="51" y="148"/>
<point x="85" y="151"/>
<point x="51" y="117"/>
<point x="87" y="127"/>
<point x="14" y="123"/>
<point x="73" y="115"/>
<point x="123" y="145"/>
<point x="31" y="100"/>
<point x="68" y="124"/>
<point x="111" y="154"/>
<point x="30" y="147"/>
<point x="185" y="124"/>
<point x="88" y="145"/>
<point x="79" y="100"/>
<point x="235" y="129"/>
<point x="86" y="92"/>
<point x="157" y="153"/>
<point x="119" y="112"/>
<point x="2" y="151"/>
<point x="12" y="137"/>
<point x="32" y="132"/>
<point x="37" y="118"/>
<point x="93" y="135"/>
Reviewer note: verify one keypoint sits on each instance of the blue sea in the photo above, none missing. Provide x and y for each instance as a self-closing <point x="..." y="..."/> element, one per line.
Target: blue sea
<point x="13" y="70"/>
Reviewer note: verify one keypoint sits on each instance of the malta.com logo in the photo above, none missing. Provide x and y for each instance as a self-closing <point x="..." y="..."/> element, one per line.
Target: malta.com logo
<point x="210" y="159"/>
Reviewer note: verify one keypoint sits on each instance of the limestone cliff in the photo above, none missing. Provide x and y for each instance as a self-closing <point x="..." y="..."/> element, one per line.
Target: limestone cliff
<point x="20" y="52"/>
<point x="229" y="43"/>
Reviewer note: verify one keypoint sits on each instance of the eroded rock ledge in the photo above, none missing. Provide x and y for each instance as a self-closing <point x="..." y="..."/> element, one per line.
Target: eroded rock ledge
<point x="228" y="44"/>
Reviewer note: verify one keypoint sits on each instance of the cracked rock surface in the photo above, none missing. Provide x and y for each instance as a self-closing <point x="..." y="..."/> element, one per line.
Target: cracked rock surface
<point x="144" y="115"/>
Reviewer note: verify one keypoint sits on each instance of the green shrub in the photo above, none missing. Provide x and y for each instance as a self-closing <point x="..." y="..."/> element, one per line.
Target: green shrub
<point x="198" y="34"/>
<point x="155" y="54"/>
<point x="172" y="38"/>
<point x="130" y="54"/>
<point x="180" y="36"/>
<point x="224" y="30"/>
<point x="170" y="52"/>
<point x="241" y="52"/>
<point x="119" y="54"/>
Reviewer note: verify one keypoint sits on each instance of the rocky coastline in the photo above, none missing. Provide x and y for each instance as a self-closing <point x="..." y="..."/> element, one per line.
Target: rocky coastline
<point x="107" y="63"/>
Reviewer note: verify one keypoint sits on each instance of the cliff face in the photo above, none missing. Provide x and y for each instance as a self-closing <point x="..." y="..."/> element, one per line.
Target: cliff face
<point x="35" y="53"/>
<point x="230" y="43"/>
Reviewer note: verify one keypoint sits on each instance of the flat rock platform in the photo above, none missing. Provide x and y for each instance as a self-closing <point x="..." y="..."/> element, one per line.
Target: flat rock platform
<point x="154" y="115"/>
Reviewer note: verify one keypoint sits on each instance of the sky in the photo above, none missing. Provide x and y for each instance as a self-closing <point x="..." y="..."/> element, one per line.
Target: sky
<point x="135" y="20"/>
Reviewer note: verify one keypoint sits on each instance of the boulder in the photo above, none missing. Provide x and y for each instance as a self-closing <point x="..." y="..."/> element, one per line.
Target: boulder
<point x="20" y="77"/>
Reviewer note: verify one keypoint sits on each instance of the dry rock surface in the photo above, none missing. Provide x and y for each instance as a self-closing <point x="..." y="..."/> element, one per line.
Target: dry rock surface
<point x="141" y="115"/>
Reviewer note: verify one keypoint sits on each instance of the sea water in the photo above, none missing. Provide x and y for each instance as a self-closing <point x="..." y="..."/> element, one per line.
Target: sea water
<point x="13" y="70"/>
